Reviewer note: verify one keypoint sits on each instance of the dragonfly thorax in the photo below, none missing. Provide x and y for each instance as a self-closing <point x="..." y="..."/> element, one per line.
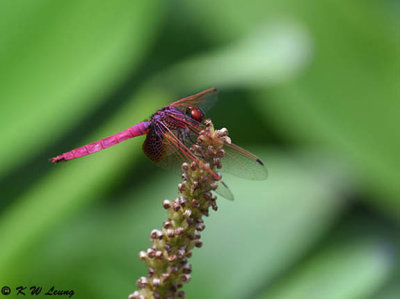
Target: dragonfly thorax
<point x="169" y="116"/>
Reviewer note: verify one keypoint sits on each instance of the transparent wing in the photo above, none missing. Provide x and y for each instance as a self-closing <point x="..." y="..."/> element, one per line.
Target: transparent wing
<point x="165" y="149"/>
<point x="203" y="100"/>
<point x="241" y="163"/>
<point x="237" y="160"/>
<point x="168" y="151"/>
<point x="224" y="191"/>
<point x="178" y="152"/>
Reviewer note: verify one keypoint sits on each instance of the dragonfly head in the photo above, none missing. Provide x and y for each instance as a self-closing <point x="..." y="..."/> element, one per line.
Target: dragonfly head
<point x="195" y="113"/>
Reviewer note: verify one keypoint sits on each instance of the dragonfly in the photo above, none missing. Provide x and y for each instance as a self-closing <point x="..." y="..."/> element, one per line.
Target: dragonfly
<point x="170" y="133"/>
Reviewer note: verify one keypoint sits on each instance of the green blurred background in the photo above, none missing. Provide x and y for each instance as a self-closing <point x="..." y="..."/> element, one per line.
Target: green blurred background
<point x="312" y="87"/>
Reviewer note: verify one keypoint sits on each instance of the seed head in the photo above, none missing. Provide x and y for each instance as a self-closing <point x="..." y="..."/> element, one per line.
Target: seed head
<point x="166" y="204"/>
<point x="185" y="277"/>
<point x="167" y="258"/>
<point x="155" y="234"/>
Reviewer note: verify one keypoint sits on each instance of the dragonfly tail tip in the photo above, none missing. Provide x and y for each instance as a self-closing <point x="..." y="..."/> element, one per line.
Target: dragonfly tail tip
<point x="56" y="160"/>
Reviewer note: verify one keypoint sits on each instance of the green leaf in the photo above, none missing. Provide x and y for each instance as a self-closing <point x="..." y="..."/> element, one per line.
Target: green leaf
<point x="59" y="59"/>
<point x="266" y="56"/>
<point x="347" y="98"/>
<point x="391" y="290"/>
<point x="269" y="226"/>
<point x="351" y="267"/>
<point x="71" y="186"/>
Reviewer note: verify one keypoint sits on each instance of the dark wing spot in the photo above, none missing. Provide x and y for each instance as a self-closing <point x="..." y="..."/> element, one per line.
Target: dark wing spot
<point x="260" y="162"/>
<point x="153" y="146"/>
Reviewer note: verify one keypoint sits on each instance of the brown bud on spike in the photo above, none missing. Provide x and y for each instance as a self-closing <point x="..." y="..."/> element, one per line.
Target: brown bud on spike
<point x="196" y="185"/>
<point x="181" y="294"/>
<point x="159" y="254"/>
<point x="221" y="153"/>
<point x="214" y="186"/>
<point x="156" y="282"/>
<point x="187" y="268"/>
<point x="179" y="231"/>
<point x="134" y="295"/>
<point x="155" y="234"/>
<point x="190" y="221"/>
<point x="172" y="258"/>
<point x="196" y="235"/>
<point x="185" y="166"/>
<point x="211" y="150"/>
<point x="221" y="133"/>
<point x="170" y="232"/>
<point x="200" y="227"/>
<point x="207" y="195"/>
<point x="198" y="244"/>
<point x="195" y="203"/>
<point x="203" y="179"/>
<point x="185" y="277"/>
<point x="205" y="212"/>
<point x="201" y="139"/>
<point x="182" y="200"/>
<point x="167" y="224"/>
<point x="187" y="213"/>
<point x="176" y="206"/>
<point x="151" y="253"/>
<point x="167" y="248"/>
<point x="181" y="187"/>
<point x="142" y="282"/>
<point x="193" y="166"/>
<point x="142" y="255"/>
<point x="183" y="261"/>
<point x="217" y="163"/>
<point x="181" y="253"/>
<point x="166" y="204"/>
<point x="164" y="277"/>
<point x="195" y="147"/>
<point x="151" y="272"/>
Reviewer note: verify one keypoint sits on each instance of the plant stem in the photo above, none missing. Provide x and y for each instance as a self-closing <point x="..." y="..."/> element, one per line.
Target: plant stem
<point x="167" y="258"/>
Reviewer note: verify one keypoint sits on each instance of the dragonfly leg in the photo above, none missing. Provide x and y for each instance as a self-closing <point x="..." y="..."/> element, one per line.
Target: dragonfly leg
<point x="184" y="136"/>
<point x="181" y="134"/>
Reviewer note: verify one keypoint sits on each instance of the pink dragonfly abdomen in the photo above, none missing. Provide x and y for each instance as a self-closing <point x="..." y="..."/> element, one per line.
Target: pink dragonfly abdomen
<point x="137" y="130"/>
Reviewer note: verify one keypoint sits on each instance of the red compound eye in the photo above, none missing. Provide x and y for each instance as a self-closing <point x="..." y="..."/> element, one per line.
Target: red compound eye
<point x="195" y="113"/>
